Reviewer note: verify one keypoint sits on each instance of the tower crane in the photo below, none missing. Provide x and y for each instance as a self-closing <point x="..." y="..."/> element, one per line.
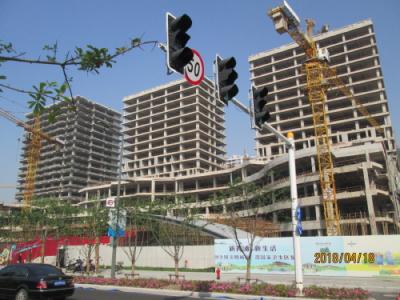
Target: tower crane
<point x="34" y="147"/>
<point x="319" y="77"/>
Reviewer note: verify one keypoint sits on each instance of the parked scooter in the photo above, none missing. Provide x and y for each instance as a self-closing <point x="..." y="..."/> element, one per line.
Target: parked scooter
<point x="75" y="267"/>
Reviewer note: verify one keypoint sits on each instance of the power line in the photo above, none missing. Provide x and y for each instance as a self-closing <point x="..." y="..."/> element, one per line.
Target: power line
<point x="13" y="101"/>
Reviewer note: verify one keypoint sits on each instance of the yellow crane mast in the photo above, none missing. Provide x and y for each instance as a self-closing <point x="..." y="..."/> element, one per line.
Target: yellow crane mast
<point x="319" y="77"/>
<point x="34" y="147"/>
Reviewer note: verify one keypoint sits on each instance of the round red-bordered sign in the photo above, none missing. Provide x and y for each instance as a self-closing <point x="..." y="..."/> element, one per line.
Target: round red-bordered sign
<point x="194" y="70"/>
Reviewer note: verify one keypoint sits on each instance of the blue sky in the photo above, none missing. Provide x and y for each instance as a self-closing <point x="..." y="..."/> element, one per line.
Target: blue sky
<point x="230" y="28"/>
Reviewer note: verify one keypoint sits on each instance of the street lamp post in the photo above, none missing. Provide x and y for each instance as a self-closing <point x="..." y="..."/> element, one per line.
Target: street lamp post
<point x="117" y="204"/>
<point x="289" y="141"/>
<point x="295" y="207"/>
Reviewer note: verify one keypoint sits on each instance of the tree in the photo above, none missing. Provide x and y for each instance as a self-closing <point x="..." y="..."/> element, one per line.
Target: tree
<point x="89" y="59"/>
<point x="91" y="225"/>
<point x="8" y="236"/>
<point x="51" y="216"/>
<point x="137" y="225"/>
<point x="173" y="237"/>
<point x="243" y="209"/>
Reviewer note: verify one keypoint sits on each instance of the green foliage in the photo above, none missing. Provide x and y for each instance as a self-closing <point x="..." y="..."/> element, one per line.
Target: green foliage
<point x="53" y="50"/>
<point x="93" y="58"/>
<point x="89" y="59"/>
<point x="44" y="91"/>
<point x="93" y="221"/>
<point x="46" y="217"/>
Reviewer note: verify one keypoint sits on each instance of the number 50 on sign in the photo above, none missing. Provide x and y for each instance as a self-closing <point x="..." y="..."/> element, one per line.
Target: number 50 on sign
<point x="194" y="70"/>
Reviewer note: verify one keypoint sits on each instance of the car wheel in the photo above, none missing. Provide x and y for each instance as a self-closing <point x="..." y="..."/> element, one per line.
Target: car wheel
<point x="22" y="295"/>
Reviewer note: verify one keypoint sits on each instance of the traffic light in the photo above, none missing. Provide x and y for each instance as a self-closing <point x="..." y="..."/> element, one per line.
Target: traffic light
<point x="261" y="114"/>
<point x="178" y="56"/>
<point x="225" y="78"/>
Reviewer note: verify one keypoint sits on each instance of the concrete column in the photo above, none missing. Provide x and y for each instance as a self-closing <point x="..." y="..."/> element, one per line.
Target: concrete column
<point x="315" y="189"/>
<point x="153" y="189"/>
<point x="313" y="166"/>
<point x="176" y="191"/>
<point x="86" y="196"/>
<point x="109" y="192"/>
<point x="318" y="218"/>
<point x="370" y="203"/>
<point x="244" y="173"/>
<point x="274" y="217"/>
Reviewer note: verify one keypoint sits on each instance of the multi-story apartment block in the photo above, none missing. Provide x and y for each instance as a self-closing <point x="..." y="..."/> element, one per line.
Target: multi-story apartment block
<point x="172" y="130"/>
<point x="91" y="136"/>
<point x="354" y="54"/>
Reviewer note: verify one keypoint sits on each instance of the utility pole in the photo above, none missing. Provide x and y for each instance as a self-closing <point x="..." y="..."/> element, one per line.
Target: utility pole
<point x="117" y="204"/>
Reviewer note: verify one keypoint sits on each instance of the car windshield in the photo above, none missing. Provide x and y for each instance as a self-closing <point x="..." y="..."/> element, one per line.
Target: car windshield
<point x="46" y="271"/>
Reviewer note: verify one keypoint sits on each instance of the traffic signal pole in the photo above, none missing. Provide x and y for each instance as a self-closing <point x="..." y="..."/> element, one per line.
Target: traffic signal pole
<point x="289" y="142"/>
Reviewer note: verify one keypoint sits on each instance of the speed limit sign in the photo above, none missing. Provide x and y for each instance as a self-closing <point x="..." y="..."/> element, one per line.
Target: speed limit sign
<point x="194" y="70"/>
<point x="110" y="202"/>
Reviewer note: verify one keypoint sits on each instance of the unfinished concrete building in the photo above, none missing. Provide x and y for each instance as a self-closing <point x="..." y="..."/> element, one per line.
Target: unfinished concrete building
<point x="365" y="170"/>
<point x="361" y="172"/>
<point x="354" y="54"/>
<point x="91" y="136"/>
<point x="172" y="130"/>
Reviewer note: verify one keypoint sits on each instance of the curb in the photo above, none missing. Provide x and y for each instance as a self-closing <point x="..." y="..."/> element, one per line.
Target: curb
<point x="166" y="292"/>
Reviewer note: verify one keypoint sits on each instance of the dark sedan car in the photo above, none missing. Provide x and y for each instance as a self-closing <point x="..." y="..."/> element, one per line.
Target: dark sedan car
<point x="34" y="281"/>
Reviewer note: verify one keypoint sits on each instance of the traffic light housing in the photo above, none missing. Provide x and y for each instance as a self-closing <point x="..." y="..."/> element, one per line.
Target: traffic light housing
<point x="261" y="114"/>
<point x="178" y="55"/>
<point x="225" y="78"/>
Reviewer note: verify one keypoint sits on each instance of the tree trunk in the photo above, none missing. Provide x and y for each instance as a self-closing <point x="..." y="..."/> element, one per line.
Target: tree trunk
<point x="248" y="272"/>
<point x="133" y="265"/>
<point x="176" y="260"/>
<point x="97" y="254"/>
<point x="88" y="258"/>
<point x="43" y="248"/>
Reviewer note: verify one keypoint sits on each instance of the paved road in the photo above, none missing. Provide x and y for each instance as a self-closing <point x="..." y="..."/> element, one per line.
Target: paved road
<point x="384" y="296"/>
<point x="92" y="294"/>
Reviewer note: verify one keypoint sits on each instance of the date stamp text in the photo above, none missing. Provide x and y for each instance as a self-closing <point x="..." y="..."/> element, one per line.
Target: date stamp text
<point x="344" y="257"/>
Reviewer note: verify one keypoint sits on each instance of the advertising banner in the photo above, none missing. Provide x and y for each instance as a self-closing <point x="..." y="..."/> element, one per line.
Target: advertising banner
<point x="331" y="256"/>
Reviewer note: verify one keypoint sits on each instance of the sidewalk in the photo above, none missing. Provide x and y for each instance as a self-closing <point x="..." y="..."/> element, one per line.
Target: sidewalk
<point x="372" y="284"/>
